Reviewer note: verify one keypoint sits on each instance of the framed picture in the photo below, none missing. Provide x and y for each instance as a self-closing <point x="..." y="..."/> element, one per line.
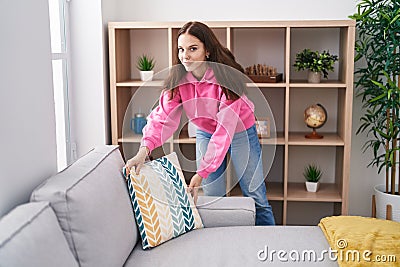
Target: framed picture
<point x="263" y="127"/>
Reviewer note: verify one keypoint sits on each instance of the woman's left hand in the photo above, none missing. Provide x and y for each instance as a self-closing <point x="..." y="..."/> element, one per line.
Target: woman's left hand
<point x="194" y="185"/>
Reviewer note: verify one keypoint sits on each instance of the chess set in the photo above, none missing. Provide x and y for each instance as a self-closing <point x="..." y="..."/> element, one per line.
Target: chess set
<point x="261" y="73"/>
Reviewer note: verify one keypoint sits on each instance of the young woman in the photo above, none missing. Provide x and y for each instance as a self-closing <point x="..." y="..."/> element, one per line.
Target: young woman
<point x="209" y="85"/>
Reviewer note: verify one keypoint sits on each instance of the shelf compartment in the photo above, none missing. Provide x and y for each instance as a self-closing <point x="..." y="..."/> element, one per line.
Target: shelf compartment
<point x="266" y="85"/>
<point x="128" y="48"/>
<point x="326" y="157"/>
<point x="159" y="83"/>
<point x="131" y="138"/>
<point x="185" y="139"/>
<point x="269" y="102"/>
<point x="316" y="39"/>
<point x="139" y="83"/>
<point x="278" y="140"/>
<point x="259" y="46"/>
<point x="134" y="138"/>
<point x="132" y="100"/>
<point x="326" y="193"/>
<point x="277" y="209"/>
<point x="331" y="98"/>
<point x="323" y="84"/>
<point x="221" y="35"/>
<point x="274" y="191"/>
<point x="329" y="139"/>
<point x="121" y="101"/>
<point x="186" y="154"/>
<point x="309" y="213"/>
<point x="155" y="46"/>
<point x="129" y="150"/>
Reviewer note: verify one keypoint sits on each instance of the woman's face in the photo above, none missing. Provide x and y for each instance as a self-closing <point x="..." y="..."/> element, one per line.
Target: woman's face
<point x="192" y="54"/>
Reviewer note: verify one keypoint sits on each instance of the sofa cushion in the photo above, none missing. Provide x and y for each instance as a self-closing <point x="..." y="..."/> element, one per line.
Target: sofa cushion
<point x="31" y="236"/>
<point x="226" y="211"/>
<point x="163" y="209"/>
<point x="92" y="205"/>
<point x="240" y="246"/>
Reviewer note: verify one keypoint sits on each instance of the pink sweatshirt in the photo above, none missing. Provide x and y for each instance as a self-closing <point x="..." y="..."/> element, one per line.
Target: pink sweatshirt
<point x="207" y="107"/>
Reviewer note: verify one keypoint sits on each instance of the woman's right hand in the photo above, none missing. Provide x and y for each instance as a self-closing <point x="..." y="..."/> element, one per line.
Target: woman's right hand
<point x="137" y="161"/>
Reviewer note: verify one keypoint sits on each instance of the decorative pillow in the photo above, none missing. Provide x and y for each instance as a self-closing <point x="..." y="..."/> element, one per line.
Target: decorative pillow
<point x="162" y="207"/>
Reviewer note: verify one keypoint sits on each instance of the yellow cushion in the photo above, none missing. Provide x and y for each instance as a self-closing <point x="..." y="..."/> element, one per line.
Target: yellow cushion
<point x="361" y="241"/>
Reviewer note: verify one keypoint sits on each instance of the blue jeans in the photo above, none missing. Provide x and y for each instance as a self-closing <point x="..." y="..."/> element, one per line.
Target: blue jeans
<point x="245" y="152"/>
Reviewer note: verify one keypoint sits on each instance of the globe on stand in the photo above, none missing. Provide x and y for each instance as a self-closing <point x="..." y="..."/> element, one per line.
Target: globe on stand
<point x="315" y="117"/>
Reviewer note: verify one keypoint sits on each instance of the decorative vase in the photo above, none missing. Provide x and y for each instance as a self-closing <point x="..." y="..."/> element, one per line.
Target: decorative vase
<point x="146" y="75"/>
<point x="312" y="187"/>
<point x="138" y="123"/>
<point x="314" y="77"/>
<point x="383" y="199"/>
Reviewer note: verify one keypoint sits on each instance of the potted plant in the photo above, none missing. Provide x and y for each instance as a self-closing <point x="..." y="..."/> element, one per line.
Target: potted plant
<point x="377" y="81"/>
<point x="312" y="174"/>
<point x="145" y="65"/>
<point x="316" y="63"/>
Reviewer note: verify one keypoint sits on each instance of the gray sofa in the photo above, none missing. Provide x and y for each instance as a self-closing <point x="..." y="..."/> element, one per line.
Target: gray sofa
<point x="83" y="216"/>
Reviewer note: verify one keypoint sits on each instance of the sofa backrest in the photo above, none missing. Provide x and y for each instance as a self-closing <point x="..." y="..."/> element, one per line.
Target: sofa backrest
<point x="31" y="236"/>
<point x="93" y="208"/>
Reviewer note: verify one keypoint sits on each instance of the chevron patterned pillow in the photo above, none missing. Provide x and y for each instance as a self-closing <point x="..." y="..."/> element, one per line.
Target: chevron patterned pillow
<point x="162" y="207"/>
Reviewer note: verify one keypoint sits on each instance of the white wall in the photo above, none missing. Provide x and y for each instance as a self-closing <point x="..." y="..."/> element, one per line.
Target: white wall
<point x="362" y="179"/>
<point x="88" y="93"/>
<point x="211" y="10"/>
<point x="27" y="119"/>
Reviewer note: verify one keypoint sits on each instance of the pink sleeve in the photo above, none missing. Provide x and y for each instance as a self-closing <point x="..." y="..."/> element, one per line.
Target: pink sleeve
<point x="227" y="120"/>
<point x="162" y="121"/>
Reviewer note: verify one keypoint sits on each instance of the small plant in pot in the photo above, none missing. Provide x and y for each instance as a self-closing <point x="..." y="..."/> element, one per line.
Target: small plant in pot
<point x="316" y="63"/>
<point x="145" y="65"/>
<point x="312" y="174"/>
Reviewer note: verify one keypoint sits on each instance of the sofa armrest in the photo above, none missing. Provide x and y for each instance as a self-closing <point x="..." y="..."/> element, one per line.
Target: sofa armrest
<point x="226" y="211"/>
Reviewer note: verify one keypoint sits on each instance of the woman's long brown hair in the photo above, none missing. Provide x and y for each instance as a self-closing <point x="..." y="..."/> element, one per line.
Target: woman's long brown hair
<point x="226" y="72"/>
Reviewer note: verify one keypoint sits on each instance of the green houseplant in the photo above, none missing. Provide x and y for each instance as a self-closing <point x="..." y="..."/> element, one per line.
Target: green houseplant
<point x="312" y="173"/>
<point x="317" y="63"/>
<point x="145" y="65"/>
<point x="377" y="81"/>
